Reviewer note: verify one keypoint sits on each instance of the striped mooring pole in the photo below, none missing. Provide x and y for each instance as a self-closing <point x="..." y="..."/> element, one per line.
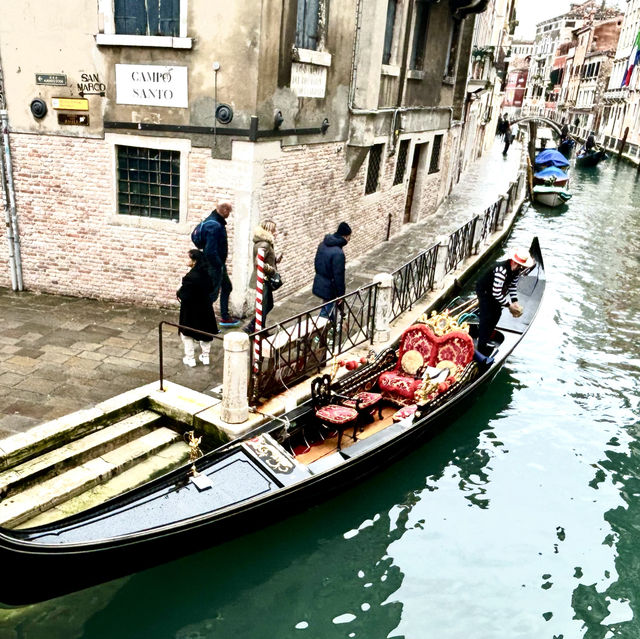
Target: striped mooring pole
<point x="259" y="294"/>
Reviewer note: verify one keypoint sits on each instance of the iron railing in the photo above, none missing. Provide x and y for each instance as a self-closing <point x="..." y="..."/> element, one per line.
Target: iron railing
<point x="161" y="348"/>
<point x="413" y="280"/>
<point x="292" y="349"/>
<point x="490" y="219"/>
<point x="460" y="245"/>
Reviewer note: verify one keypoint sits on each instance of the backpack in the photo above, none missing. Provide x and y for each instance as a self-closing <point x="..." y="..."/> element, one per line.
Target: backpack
<point x="197" y="236"/>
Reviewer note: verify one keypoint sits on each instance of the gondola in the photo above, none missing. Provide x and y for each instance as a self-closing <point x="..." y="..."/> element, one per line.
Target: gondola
<point x="279" y="468"/>
<point x="590" y="158"/>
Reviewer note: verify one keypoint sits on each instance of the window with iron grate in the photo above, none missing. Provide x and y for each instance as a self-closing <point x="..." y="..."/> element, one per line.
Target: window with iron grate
<point x="373" y="171"/>
<point x="434" y="164"/>
<point x="401" y="162"/>
<point x="149" y="182"/>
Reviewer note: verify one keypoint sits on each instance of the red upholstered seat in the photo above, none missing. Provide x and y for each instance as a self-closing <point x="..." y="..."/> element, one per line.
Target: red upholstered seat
<point x="405" y="411"/>
<point x="368" y="402"/>
<point x="336" y="414"/>
<point x="400" y="386"/>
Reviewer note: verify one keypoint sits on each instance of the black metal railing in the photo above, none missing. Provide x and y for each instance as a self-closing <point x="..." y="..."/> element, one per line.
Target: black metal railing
<point x="460" y="245"/>
<point x="489" y="220"/>
<point x="413" y="280"/>
<point x="161" y="347"/>
<point x="301" y="345"/>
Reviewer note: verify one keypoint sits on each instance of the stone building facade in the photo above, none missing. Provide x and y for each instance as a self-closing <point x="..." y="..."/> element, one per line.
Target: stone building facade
<point x="128" y="121"/>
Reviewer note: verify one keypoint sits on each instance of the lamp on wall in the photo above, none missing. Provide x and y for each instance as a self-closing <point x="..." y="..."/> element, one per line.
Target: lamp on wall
<point x="38" y="108"/>
<point x="278" y="119"/>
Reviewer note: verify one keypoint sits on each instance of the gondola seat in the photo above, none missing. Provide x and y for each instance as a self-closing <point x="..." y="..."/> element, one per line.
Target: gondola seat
<point x="404" y="412"/>
<point x="419" y="348"/>
<point x="369" y="402"/>
<point x="331" y="411"/>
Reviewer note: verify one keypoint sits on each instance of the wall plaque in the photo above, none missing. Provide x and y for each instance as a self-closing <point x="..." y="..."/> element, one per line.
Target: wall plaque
<point x="308" y="80"/>
<point x="151" y="85"/>
<point x="70" y="104"/>
<point x="74" y="119"/>
<point x="55" y="79"/>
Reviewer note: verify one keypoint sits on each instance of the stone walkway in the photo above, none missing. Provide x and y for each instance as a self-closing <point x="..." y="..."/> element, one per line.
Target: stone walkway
<point x="60" y="354"/>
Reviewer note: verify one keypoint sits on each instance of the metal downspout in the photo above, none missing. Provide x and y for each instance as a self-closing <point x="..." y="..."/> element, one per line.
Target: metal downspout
<point x="12" y="216"/>
<point x="9" y="227"/>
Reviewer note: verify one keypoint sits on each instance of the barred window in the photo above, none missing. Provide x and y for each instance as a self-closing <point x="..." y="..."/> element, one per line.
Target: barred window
<point x="401" y="162"/>
<point x="373" y="171"/>
<point x="434" y="164"/>
<point x="148" y="182"/>
<point x="147" y="17"/>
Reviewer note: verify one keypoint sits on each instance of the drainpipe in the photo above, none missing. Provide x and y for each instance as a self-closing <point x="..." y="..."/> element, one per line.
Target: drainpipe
<point x="11" y="216"/>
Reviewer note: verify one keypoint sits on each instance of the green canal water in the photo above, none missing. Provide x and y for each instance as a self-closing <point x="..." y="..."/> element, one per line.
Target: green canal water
<point x="522" y="520"/>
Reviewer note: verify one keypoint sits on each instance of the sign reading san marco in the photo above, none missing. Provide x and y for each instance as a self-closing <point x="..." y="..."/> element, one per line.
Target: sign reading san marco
<point x="151" y="85"/>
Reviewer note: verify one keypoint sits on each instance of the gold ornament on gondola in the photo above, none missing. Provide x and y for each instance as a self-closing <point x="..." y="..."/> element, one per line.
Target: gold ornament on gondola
<point x="443" y="323"/>
<point x="194" y="450"/>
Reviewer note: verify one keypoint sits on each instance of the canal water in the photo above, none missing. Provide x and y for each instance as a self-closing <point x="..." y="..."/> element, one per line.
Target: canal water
<point x="521" y="520"/>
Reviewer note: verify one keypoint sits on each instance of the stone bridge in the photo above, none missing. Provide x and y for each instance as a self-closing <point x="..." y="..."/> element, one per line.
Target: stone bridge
<point x="539" y="118"/>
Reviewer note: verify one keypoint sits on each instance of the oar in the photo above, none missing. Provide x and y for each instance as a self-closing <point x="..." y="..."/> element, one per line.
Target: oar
<point x="469" y="303"/>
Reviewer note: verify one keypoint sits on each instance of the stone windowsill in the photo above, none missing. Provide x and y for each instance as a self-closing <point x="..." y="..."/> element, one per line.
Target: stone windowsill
<point x="320" y="58"/>
<point x="390" y="69"/>
<point x="415" y="74"/>
<point x="121" y="40"/>
<point x="135" y="221"/>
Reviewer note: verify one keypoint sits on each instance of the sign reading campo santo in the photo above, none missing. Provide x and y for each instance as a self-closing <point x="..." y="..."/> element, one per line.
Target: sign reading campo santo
<point x="152" y="85"/>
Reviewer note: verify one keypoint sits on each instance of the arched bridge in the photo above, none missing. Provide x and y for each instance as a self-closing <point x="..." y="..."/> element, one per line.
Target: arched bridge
<point x="539" y="118"/>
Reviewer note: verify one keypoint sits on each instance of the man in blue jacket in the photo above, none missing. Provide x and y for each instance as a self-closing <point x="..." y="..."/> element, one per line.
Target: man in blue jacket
<point x="216" y="249"/>
<point x="330" y="266"/>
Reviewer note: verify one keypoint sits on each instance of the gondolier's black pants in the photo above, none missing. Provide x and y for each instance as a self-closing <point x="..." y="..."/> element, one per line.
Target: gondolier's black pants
<point x="489" y="312"/>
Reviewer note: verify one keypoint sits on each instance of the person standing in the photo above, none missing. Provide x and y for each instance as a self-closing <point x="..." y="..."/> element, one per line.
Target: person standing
<point x="508" y="137"/>
<point x="216" y="250"/>
<point x="264" y="237"/>
<point x="498" y="289"/>
<point x="591" y="141"/>
<point x="564" y="131"/>
<point x="196" y="311"/>
<point x="500" y="127"/>
<point x="329" y="263"/>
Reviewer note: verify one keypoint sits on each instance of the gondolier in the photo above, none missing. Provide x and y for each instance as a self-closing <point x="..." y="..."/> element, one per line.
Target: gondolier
<point x="498" y="289"/>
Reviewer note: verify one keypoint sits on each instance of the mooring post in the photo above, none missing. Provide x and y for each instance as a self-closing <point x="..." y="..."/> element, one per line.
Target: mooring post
<point x="235" y="378"/>
<point x="441" y="262"/>
<point x="382" y="315"/>
<point x="503" y="210"/>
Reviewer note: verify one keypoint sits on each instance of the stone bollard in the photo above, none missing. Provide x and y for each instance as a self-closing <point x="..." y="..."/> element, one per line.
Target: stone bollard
<point x="235" y="379"/>
<point x="382" y="317"/>
<point x="502" y="213"/>
<point x="441" y="261"/>
<point x="477" y="234"/>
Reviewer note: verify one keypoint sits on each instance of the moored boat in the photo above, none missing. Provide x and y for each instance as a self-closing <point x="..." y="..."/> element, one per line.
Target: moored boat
<point x="551" y="176"/>
<point x="590" y="158"/>
<point x="349" y="430"/>
<point x="551" y="195"/>
<point x="566" y="147"/>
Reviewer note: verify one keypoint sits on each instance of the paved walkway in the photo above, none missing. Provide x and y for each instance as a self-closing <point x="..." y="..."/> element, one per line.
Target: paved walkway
<point x="59" y="354"/>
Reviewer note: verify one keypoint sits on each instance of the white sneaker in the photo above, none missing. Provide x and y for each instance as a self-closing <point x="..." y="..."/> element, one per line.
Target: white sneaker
<point x="189" y="361"/>
<point x="204" y="359"/>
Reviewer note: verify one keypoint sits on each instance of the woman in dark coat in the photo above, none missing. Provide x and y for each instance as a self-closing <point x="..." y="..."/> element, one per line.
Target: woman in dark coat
<point x="196" y="310"/>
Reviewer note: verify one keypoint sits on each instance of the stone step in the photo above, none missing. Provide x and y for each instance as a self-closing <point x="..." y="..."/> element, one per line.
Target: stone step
<point x="159" y="464"/>
<point x="52" y="492"/>
<point x="76" y="452"/>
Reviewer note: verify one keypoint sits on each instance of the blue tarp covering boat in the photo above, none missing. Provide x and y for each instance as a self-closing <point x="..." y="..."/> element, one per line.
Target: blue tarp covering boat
<point x="551" y="157"/>
<point x="550" y="172"/>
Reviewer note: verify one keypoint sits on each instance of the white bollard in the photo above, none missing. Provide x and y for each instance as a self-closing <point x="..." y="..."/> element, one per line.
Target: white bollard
<point x="382" y="317"/>
<point x="235" y="380"/>
<point x="441" y="261"/>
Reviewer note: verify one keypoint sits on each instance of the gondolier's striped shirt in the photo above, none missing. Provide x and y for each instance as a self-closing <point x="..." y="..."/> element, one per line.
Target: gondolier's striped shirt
<point x="502" y="287"/>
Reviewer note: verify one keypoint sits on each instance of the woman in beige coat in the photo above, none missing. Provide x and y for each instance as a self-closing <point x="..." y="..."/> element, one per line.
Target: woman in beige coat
<point x="264" y="238"/>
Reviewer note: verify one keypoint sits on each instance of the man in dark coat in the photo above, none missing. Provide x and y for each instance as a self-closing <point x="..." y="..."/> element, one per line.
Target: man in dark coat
<point x="591" y="141"/>
<point x="216" y="249"/>
<point x="328" y="282"/>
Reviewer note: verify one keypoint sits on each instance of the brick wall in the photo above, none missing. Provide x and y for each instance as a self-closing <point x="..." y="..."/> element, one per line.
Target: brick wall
<point x="71" y="245"/>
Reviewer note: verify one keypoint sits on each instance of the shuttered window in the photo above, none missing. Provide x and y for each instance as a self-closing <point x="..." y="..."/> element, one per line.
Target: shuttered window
<point x="388" y="32"/>
<point x="307" y="24"/>
<point x="147" y="17"/>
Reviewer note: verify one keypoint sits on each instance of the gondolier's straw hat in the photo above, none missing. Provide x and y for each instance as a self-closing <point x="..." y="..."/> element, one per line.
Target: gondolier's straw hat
<point x="521" y="256"/>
